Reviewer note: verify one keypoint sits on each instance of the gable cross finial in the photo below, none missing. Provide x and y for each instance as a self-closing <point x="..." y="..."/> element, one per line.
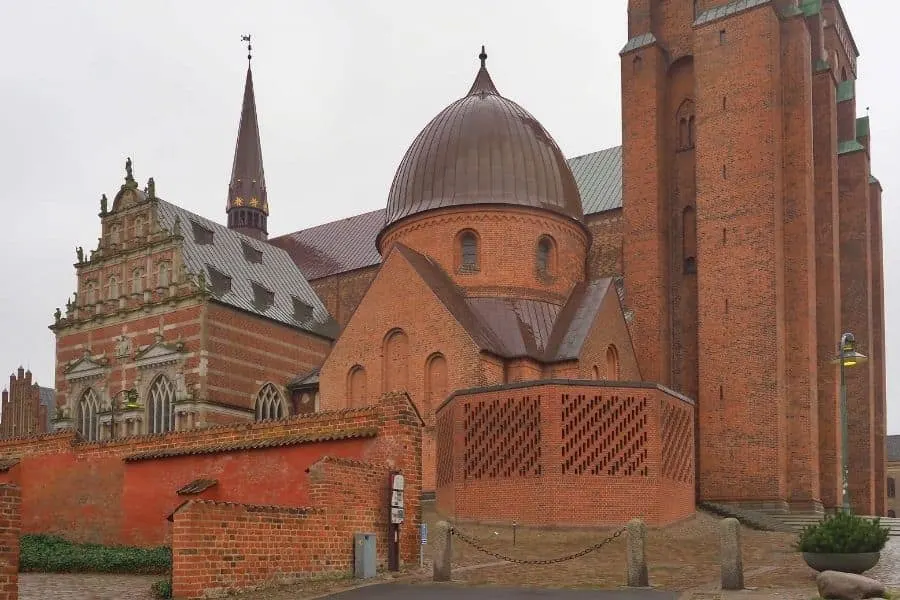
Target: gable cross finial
<point x="482" y="56"/>
<point x="246" y="38"/>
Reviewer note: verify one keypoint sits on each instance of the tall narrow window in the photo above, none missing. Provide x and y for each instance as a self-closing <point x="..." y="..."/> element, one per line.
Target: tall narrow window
<point x="436" y="385"/>
<point x="161" y="406"/>
<point x="87" y="419"/>
<point x="891" y="488"/>
<point x="164" y="275"/>
<point x="396" y="362"/>
<point x="137" y="281"/>
<point x="683" y="134"/>
<point x="545" y="256"/>
<point x="612" y="363"/>
<point x="356" y="387"/>
<point x="468" y="245"/>
<point x="689" y="239"/>
<point x="270" y="404"/>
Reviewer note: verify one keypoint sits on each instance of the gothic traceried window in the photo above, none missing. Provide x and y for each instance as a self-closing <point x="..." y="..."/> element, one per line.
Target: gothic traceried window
<point x="270" y="404"/>
<point x="137" y="281"/>
<point x="161" y="406"/>
<point x="87" y="419"/>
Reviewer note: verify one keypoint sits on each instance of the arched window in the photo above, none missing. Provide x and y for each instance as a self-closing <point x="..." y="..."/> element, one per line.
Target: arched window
<point x="690" y="131"/>
<point x="161" y="406"/>
<point x="164" y="274"/>
<point x="137" y="281"/>
<point x="396" y="362"/>
<point x="612" y="363"/>
<point x="685" y="123"/>
<point x="546" y="256"/>
<point x="468" y="251"/>
<point x="138" y="226"/>
<point x="270" y="404"/>
<point x="113" y="288"/>
<point x="682" y="134"/>
<point x="891" y="488"/>
<point x="435" y="384"/>
<point x="87" y="420"/>
<point x="689" y="239"/>
<point x="595" y="373"/>
<point x="356" y="387"/>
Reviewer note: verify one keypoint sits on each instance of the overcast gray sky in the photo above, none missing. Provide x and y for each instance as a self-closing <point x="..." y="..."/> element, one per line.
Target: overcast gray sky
<point x="342" y="87"/>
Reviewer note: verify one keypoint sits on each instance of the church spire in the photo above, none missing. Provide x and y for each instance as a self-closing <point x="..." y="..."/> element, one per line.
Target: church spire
<point x="248" y="205"/>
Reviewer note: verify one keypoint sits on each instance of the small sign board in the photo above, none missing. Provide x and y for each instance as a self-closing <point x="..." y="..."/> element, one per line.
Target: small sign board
<point x="396" y="515"/>
<point x="397" y="499"/>
<point x="397" y="482"/>
<point x="423" y="533"/>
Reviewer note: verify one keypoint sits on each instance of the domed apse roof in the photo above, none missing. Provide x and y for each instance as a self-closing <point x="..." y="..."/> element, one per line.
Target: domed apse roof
<point x="483" y="149"/>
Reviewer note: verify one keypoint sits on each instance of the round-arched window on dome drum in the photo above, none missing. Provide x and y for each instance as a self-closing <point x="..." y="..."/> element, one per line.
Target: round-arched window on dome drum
<point x="545" y="256"/>
<point x="468" y="247"/>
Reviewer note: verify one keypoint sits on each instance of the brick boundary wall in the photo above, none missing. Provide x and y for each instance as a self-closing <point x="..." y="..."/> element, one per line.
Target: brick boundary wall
<point x="10" y="531"/>
<point x="221" y="548"/>
<point x="121" y="491"/>
<point x="563" y="453"/>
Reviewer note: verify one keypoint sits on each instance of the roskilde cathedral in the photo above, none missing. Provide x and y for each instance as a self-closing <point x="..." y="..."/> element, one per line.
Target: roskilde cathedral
<point x="718" y="254"/>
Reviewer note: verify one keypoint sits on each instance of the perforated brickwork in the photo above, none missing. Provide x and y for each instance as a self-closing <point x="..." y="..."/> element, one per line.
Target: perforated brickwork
<point x="502" y="438"/>
<point x="676" y="443"/>
<point x="604" y="435"/>
<point x="444" y="437"/>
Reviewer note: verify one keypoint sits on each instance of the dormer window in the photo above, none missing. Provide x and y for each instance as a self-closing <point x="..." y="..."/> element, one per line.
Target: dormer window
<point x="302" y="311"/>
<point x="202" y="235"/>
<point x="263" y="298"/>
<point x="251" y="254"/>
<point x="219" y="282"/>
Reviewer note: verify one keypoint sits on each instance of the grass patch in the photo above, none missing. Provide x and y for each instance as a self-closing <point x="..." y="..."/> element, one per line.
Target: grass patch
<point x="53" y="554"/>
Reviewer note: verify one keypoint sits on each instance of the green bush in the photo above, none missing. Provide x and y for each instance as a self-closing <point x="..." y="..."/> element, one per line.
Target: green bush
<point x="162" y="589"/>
<point x="53" y="554"/>
<point x="843" y="533"/>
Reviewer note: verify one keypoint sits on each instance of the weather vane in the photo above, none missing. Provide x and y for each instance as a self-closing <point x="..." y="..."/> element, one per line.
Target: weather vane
<point x="246" y="38"/>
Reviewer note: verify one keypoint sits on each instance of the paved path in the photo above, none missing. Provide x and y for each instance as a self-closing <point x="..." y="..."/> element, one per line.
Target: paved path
<point x="395" y="591"/>
<point x="85" y="586"/>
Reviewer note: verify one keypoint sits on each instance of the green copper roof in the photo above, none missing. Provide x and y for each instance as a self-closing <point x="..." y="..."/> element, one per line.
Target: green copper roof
<point x="811" y="7"/>
<point x="726" y="10"/>
<point x="849" y="146"/>
<point x="862" y="127"/>
<point x="638" y="41"/>
<point x="846" y="90"/>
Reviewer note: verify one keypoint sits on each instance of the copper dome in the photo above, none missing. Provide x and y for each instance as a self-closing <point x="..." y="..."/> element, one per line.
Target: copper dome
<point x="483" y="149"/>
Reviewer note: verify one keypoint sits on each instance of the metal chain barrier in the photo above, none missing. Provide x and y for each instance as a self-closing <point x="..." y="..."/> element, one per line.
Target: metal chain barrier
<point x="546" y="561"/>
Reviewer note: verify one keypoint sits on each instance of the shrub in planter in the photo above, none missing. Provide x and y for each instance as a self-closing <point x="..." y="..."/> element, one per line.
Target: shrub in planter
<point x="843" y="542"/>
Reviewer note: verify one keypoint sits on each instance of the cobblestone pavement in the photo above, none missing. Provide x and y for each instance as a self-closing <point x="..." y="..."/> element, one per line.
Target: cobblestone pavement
<point x="85" y="586"/>
<point x="888" y="568"/>
<point x="392" y="591"/>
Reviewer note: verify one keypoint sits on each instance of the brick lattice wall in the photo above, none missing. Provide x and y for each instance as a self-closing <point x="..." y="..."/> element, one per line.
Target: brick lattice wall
<point x="566" y="453"/>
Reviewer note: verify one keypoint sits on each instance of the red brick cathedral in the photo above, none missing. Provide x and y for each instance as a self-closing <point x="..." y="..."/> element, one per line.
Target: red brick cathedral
<point x="655" y="321"/>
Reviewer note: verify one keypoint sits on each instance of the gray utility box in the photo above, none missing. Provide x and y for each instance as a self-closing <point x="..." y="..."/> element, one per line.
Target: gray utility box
<point x="364" y="555"/>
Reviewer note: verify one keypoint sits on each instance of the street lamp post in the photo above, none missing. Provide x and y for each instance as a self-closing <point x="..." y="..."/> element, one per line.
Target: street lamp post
<point x="847" y="357"/>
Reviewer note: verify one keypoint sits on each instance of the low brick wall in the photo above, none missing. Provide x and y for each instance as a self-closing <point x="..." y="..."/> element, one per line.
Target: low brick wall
<point x="220" y="548"/>
<point x="120" y="492"/>
<point x="10" y="531"/>
<point x="566" y="453"/>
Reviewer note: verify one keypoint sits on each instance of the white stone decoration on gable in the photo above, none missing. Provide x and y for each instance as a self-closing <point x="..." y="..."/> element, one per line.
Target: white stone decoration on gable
<point x="158" y="355"/>
<point x="86" y="367"/>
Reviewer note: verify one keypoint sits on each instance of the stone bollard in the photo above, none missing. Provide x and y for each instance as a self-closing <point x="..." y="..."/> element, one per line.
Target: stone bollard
<point x="443" y="552"/>
<point x="636" y="559"/>
<point x="732" y="565"/>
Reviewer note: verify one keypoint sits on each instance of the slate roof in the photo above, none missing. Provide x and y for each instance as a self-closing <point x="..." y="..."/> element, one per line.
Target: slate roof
<point x="349" y="244"/>
<point x="335" y="247"/>
<point x="726" y="10"/>
<point x="893" y="448"/>
<point x="516" y="328"/>
<point x="277" y="273"/>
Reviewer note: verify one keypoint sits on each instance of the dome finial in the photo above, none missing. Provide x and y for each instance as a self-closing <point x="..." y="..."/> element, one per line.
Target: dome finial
<point x="482" y="56"/>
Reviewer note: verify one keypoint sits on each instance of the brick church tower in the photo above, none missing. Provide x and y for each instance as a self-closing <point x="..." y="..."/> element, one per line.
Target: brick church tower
<point x="752" y="240"/>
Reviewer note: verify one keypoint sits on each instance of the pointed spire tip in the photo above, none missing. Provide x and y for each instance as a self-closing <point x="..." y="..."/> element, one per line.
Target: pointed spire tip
<point x="483" y="56"/>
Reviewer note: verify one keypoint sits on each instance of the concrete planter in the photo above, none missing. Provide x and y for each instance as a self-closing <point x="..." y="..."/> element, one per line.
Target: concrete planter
<point x="845" y="563"/>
